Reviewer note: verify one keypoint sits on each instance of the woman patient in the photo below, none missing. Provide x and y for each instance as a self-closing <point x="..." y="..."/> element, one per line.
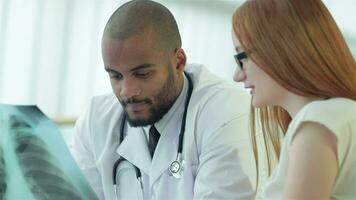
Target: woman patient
<point x="302" y="78"/>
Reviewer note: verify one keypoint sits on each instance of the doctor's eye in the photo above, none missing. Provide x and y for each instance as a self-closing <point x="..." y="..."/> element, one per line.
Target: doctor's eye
<point x="115" y="76"/>
<point x="142" y="74"/>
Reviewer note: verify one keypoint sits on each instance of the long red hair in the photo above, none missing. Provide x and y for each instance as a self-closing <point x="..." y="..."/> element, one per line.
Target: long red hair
<point x="299" y="45"/>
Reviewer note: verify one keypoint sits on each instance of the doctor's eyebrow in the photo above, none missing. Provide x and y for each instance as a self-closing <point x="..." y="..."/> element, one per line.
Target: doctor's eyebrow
<point x="142" y="66"/>
<point x="109" y="70"/>
<point x="139" y="67"/>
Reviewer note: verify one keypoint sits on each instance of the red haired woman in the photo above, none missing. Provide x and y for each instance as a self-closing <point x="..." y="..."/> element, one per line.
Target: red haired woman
<point x="302" y="77"/>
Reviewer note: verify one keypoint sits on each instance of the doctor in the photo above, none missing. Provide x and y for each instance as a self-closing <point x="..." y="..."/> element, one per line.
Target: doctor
<point x="168" y="131"/>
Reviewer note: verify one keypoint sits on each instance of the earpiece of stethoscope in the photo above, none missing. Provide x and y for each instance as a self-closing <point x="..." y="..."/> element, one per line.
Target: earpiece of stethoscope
<point x="176" y="167"/>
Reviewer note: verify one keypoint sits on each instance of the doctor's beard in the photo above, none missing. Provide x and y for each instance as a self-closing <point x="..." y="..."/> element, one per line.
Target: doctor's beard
<point x="164" y="101"/>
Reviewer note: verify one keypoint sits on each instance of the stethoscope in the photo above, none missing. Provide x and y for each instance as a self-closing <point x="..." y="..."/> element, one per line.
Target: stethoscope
<point x="176" y="167"/>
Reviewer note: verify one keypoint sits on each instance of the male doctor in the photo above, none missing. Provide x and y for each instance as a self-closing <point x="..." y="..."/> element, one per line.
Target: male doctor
<point x="168" y="131"/>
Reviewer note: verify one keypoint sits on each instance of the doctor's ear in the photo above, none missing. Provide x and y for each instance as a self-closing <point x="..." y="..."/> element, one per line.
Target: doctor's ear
<point x="180" y="59"/>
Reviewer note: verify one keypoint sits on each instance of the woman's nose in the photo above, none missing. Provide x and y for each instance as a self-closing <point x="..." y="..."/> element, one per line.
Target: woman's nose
<point x="239" y="75"/>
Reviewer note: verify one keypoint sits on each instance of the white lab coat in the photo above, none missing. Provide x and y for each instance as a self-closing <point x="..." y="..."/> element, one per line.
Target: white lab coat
<point x="215" y="140"/>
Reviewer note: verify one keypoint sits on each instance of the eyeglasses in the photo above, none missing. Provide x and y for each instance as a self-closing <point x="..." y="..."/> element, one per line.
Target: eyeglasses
<point x="239" y="57"/>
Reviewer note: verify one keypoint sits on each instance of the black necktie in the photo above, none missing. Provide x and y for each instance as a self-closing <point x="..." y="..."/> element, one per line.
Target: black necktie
<point x="153" y="139"/>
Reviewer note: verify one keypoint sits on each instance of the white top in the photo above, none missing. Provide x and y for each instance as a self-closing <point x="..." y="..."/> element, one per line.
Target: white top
<point x="216" y="147"/>
<point x="339" y="116"/>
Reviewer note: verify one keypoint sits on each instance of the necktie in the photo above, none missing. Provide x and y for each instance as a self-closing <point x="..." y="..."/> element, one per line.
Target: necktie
<point x="153" y="139"/>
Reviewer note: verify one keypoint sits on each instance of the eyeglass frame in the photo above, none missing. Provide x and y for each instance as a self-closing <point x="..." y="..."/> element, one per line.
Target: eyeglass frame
<point x="239" y="57"/>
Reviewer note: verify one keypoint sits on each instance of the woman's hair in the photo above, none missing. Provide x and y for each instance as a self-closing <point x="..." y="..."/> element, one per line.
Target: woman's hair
<point x="299" y="45"/>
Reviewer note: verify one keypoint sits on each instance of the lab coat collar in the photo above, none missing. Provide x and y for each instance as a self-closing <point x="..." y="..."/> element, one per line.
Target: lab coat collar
<point x="170" y="116"/>
<point x="134" y="149"/>
<point x="165" y="154"/>
<point x="169" y="127"/>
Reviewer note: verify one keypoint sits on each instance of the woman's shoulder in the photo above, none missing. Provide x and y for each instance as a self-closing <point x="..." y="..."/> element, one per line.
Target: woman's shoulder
<point x="333" y="113"/>
<point x="329" y="109"/>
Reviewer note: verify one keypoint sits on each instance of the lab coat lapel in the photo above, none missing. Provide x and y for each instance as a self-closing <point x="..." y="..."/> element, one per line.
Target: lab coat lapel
<point x="165" y="153"/>
<point x="134" y="149"/>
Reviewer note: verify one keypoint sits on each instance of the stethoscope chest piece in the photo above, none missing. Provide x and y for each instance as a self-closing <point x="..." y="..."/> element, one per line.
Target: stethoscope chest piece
<point x="176" y="167"/>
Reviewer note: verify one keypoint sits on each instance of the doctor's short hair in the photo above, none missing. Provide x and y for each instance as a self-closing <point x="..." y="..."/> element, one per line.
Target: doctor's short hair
<point x="137" y="16"/>
<point x="299" y="45"/>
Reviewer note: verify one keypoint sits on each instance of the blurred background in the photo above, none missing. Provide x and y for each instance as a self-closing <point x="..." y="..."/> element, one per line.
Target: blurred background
<point x="50" y="49"/>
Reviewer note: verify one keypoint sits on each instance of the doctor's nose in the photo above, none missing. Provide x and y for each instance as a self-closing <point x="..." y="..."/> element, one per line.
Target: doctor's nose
<point x="128" y="89"/>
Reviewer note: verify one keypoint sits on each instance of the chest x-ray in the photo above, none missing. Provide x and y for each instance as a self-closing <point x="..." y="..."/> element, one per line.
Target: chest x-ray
<point x="35" y="163"/>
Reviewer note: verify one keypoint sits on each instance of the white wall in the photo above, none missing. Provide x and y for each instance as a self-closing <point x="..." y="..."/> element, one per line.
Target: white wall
<point x="50" y="49"/>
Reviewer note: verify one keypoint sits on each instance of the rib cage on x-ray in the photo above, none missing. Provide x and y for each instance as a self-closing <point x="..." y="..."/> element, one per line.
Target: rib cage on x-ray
<point x="39" y="167"/>
<point x="3" y="185"/>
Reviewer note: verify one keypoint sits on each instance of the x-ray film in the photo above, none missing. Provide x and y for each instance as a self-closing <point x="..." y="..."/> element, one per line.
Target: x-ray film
<point x="35" y="163"/>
